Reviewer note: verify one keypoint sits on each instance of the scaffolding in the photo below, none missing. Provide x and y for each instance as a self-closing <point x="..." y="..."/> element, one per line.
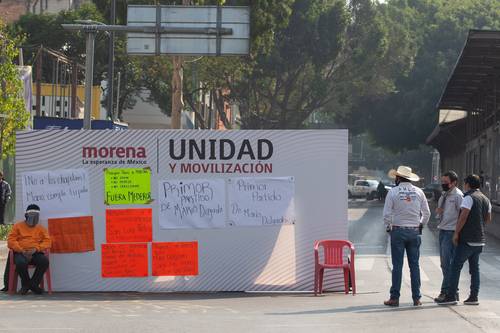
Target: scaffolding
<point x="62" y="73"/>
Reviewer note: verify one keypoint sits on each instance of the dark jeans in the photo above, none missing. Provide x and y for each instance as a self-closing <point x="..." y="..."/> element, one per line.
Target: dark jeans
<point x="41" y="264"/>
<point x="2" y="213"/>
<point x="446" y="252"/>
<point x="464" y="252"/>
<point x="409" y="240"/>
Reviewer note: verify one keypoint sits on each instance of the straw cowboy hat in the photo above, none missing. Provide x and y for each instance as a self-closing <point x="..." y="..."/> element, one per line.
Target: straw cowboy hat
<point x="404" y="172"/>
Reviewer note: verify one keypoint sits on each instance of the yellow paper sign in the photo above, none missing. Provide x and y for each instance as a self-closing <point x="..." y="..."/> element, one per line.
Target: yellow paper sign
<point x="127" y="186"/>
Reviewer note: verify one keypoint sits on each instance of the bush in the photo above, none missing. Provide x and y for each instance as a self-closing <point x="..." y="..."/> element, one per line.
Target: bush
<point x="4" y="231"/>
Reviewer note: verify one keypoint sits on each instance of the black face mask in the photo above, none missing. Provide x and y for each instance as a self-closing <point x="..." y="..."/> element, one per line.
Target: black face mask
<point x="446" y="187"/>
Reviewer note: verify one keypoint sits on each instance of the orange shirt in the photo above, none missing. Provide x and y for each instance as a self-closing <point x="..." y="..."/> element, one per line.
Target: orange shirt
<point x="22" y="238"/>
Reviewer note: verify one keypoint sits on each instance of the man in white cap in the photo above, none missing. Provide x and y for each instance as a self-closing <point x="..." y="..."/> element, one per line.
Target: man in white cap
<point x="406" y="211"/>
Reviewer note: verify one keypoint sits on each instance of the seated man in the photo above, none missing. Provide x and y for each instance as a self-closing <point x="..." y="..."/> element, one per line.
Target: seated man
<point x="28" y="240"/>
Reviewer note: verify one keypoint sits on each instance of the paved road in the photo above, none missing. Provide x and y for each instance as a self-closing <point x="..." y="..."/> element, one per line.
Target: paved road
<point x="240" y="312"/>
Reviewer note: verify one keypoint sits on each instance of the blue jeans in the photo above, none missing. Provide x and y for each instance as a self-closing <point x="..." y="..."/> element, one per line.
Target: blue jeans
<point x="464" y="252"/>
<point x="409" y="240"/>
<point x="446" y="252"/>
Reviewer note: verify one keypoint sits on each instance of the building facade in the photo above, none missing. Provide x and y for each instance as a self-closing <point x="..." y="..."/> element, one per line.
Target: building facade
<point x="468" y="133"/>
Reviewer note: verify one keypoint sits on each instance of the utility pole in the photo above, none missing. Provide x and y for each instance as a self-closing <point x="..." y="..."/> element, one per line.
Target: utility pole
<point x="111" y="61"/>
<point x="115" y="114"/>
<point x="89" y="73"/>
<point x="177" y="85"/>
<point x="39" y="60"/>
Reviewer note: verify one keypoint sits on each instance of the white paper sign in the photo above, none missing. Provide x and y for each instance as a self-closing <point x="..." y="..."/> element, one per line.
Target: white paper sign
<point x="195" y="203"/>
<point x="58" y="193"/>
<point x="261" y="201"/>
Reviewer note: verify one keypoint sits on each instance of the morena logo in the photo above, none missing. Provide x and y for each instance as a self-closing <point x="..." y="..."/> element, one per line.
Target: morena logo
<point x="111" y="152"/>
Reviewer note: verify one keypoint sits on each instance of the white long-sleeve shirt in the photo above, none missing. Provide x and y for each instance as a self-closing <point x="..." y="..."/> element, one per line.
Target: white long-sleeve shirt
<point x="406" y="206"/>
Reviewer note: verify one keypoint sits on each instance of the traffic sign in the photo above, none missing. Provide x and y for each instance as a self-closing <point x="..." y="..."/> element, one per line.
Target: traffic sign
<point x="189" y="30"/>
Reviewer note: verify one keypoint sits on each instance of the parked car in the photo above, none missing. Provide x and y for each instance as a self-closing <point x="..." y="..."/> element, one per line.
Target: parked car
<point x="433" y="191"/>
<point x="363" y="189"/>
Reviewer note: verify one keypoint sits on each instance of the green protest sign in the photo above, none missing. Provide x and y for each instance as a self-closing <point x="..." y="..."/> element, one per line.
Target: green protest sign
<point x="127" y="186"/>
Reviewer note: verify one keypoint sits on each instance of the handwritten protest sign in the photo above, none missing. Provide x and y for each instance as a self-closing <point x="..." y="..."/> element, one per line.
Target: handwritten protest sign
<point x="58" y="193"/>
<point x="71" y="234"/>
<point x="188" y="204"/>
<point x="175" y="259"/>
<point x="128" y="225"/>
<point x="124" y="260"/>
<point x="261" y="201"/>
<point x="127" y="186"/>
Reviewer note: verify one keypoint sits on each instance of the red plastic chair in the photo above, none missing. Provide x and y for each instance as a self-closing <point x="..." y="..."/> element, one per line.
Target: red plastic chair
<point x="13" y="276"/>
<point x="333" y="258"/>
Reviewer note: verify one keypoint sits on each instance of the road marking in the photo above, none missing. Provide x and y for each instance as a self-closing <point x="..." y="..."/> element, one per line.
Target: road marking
<point x="37" y="329"/>
<point x="356" y="214"/>
<point x="364" y="264"/>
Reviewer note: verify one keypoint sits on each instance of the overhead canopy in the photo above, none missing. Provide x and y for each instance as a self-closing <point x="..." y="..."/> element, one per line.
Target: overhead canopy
<point x="475" y="72"/>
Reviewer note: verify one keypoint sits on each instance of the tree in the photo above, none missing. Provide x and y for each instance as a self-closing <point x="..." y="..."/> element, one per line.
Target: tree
<point x="13" y="113"/>
<point x="319" y="59"/>
<point x="46" y="29"/>
<point x="404" y="118"/>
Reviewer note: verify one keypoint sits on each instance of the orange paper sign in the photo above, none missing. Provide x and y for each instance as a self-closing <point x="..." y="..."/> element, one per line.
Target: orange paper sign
<point x="175" y="258"/>
<point x="128" y="225"/>
<point x="124" y="260"/>
<point x="71" y="234"/>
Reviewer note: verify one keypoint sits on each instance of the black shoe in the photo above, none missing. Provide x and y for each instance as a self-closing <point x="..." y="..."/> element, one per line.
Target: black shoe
<point x="37" y="290"/>
<point x="457" y="297"/>
<point x="448" y="300"/>
<point x="4" y="289"/>
<point x="440" y="298"/>
<point x="24" y="290"/>
<point x="472" y="300"/>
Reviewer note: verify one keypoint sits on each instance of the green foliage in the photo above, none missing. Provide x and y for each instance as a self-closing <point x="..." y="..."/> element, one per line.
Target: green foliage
<point x="46" y="30"/>
<point x="376" y="67"/>
<point x="12" y="107"/>
<point x="437" y="30"/>
<point x="4" y="231"/>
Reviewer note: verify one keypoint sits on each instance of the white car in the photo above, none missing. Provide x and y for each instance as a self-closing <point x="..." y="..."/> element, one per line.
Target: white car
<point x="363" y="189"/>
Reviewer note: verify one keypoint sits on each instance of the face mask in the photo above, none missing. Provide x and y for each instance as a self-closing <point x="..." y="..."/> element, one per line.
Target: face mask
<point x="446" y="187"/>
<point x="32" y="218"/>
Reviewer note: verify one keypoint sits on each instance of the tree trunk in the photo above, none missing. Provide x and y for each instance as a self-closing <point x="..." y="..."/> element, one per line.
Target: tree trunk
<point x="177" y="101"/>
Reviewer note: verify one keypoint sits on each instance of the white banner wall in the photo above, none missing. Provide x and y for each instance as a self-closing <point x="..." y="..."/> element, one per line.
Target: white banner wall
<point x="231" y="257"/>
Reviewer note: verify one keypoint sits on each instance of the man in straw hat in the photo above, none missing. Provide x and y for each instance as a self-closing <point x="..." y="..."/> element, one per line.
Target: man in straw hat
<point x="406" y="211"/>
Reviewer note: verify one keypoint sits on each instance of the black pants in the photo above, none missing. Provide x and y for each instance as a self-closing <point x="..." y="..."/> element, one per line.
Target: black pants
<point x="41" y="264"/>
<point x="2" y="213"/>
